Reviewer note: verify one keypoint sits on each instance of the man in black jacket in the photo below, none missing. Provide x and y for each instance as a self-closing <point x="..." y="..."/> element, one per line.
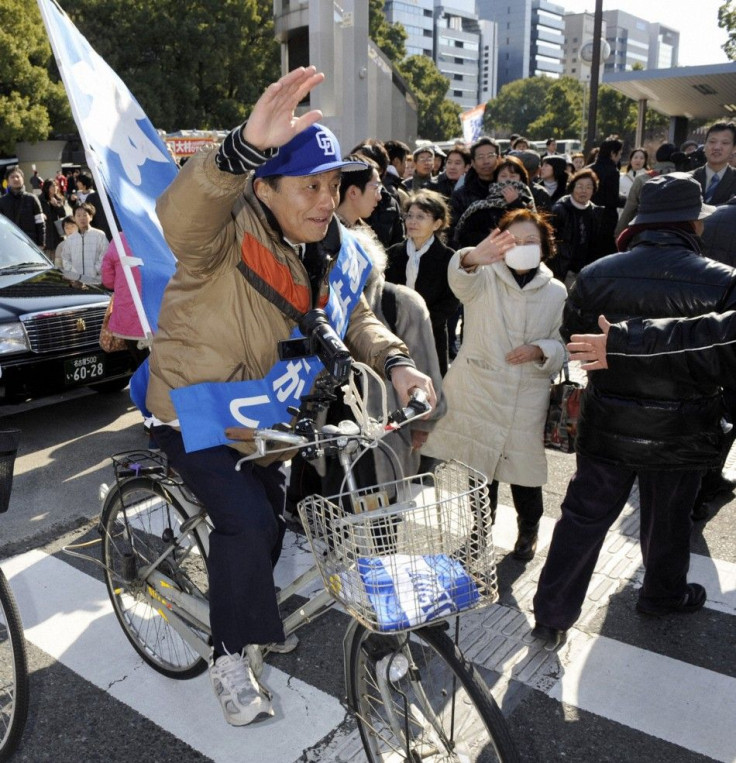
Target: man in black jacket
<point x="484" y="156"/>
<point x="666" y="432"/>
<point x="23" y="208"/>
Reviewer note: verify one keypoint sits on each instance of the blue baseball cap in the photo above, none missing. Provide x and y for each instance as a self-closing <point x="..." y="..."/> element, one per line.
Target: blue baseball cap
<point x="312" y="151"/>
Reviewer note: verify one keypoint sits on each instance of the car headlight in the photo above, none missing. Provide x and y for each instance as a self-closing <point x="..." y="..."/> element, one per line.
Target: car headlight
<point x="13" y="338"/>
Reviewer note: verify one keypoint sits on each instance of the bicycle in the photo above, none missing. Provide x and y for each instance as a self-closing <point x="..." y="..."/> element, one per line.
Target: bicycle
<point x="14" y="689"/>
<point x="413" y="693"/>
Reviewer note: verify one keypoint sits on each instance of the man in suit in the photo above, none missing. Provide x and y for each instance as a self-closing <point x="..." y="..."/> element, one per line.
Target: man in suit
<point x="717" y="178"/>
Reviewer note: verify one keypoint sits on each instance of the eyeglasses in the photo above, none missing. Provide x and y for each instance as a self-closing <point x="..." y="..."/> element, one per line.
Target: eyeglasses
<point x="417" y="217"/>
<point x="483" y="157"/>
<point x="424" y="158"/>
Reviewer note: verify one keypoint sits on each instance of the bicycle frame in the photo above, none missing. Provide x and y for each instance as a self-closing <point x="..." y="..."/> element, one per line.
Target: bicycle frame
<point x="182" y="609"/>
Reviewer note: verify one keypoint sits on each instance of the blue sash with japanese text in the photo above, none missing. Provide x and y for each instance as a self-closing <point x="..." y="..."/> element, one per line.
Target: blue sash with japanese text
<point x="206" y="410"/>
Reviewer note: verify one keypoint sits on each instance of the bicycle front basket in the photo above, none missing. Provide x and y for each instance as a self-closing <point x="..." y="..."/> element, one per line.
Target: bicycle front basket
<point x="424" y="552"/>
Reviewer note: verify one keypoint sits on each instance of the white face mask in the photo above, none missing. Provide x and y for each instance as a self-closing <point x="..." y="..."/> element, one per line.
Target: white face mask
<point x="525" y="257"/>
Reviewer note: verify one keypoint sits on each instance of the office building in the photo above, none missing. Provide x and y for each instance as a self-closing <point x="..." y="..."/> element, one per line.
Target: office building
<point x="457" y="41"/>
<point x="530" y="37"/>
<point x="363" y="95"/>
<point x="636" y="41"/>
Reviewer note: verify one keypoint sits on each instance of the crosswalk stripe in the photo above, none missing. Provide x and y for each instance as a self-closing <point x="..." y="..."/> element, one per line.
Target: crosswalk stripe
<point x="68" y="615"/>
<point x="649" y="692"/>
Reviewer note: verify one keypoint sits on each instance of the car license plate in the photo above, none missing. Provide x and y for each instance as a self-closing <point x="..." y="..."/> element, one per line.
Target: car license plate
<point x="84" y="370"/>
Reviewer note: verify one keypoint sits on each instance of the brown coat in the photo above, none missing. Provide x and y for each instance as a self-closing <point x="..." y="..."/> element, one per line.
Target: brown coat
<point x="214" y="326"/>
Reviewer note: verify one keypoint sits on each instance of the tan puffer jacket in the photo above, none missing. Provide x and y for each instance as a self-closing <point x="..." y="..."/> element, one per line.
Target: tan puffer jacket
<point x="213" y="325"/>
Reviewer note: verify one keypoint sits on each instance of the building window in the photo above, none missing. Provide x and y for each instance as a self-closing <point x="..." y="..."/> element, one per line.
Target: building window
<point x="458" y="77"/>
<point x="459" y="60"/>
<point x="427" y="32"/>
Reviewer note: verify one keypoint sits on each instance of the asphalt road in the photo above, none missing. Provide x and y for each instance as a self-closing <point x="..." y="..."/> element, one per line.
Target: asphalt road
<point x="624" y="688"/>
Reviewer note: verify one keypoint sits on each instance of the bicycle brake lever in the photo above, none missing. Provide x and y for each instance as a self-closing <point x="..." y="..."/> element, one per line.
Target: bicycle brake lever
<point x="417" y="406"/>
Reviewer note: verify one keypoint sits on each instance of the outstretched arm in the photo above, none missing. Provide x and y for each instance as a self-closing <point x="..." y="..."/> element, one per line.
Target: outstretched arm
<point x="702" y="349"/>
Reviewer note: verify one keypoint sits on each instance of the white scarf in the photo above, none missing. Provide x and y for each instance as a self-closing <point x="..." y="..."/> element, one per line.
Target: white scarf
<point x="412" y="264"/>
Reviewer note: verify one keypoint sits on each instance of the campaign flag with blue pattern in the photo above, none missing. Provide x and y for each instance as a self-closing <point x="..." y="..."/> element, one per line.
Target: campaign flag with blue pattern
<point x="128" y="153"/>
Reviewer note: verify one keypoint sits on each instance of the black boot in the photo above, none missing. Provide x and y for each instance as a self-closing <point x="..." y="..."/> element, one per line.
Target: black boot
<point x="526" y="543"/>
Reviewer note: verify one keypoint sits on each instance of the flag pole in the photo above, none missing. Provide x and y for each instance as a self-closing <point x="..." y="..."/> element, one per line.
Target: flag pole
<point x="92" y="162"/>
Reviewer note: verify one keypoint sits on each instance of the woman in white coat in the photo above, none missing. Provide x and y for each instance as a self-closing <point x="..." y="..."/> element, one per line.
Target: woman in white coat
<point x="497" y="389"/>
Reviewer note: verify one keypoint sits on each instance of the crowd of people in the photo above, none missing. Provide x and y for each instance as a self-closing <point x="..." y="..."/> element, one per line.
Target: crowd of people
<point x="522" y="250"/>
<point x="63" y="215"/>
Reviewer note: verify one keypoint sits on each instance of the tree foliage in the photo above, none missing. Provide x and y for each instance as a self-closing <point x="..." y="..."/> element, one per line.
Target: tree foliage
<point x="517" y="105"/>
<point x="563" y="108"/>
<point x="190" y="65"/>
<point x="541" y="107"/>
<point x="390" y="38"/>
<point x="727" y="21"/>
<point x="438" y="118"/>
<point x="33" y="103"/>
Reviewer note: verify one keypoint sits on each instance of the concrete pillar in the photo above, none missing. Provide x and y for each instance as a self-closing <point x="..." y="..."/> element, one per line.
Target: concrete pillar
<point x="322" y="54"/>
<point x="679" y="130"/>
<point x="354" y="65"/>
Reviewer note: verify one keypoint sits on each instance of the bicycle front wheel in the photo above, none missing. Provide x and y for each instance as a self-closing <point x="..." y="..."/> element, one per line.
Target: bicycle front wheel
<point x="140" y="522"/>
<point x="416" y="697"/>
<point x="13" y="673"/>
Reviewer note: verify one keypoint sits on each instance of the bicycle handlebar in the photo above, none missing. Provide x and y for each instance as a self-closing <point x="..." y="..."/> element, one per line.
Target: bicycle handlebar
<point x="337" y="436"/>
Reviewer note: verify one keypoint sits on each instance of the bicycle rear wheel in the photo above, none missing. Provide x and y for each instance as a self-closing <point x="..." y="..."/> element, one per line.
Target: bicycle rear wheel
<point x="13" y="673"/>
<point x="416" y="697"/>
<point x="140" y="520"/>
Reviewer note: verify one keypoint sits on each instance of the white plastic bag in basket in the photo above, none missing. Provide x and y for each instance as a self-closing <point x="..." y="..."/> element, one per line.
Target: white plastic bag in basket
<point x="406" y="590"/>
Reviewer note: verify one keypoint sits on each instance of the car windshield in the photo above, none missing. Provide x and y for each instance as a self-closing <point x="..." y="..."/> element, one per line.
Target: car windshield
<point x="17" y="251"/>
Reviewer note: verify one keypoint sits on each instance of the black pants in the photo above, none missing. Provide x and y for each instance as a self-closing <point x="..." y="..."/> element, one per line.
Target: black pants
<point x="246" y="509"/>
<point x="595" y="497"/>
<point x="527" y="502"/>
<point x="712" y="481"/>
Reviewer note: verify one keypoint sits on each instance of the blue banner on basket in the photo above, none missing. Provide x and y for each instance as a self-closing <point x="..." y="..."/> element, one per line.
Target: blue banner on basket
<point x="406" y="591"/>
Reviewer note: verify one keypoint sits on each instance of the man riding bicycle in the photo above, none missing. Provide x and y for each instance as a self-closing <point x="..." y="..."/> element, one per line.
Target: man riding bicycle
<point x="253" y="229"/>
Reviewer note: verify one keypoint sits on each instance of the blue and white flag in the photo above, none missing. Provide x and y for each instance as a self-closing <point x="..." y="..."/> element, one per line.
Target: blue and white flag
<point x="123" y="146"/>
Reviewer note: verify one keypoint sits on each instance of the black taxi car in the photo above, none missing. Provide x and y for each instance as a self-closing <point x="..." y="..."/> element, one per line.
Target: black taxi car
<point x="50" y="327"/>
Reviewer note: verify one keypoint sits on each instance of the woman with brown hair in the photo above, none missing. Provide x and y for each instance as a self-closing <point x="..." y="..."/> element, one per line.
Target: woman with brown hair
<point x="498" y="387"/>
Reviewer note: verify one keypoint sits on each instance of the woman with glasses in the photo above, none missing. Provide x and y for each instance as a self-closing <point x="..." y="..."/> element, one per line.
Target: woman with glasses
<point x="498" y="387"/>
<point x="421" y="261"/>
<point x="509" y="190"/>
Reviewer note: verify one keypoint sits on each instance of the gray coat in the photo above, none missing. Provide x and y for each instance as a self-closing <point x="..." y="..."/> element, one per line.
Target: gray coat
<point x="414" y="327"/>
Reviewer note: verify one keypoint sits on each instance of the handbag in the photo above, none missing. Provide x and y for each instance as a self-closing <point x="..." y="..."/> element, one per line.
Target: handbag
<point x="108" y="341"/>
<point x="561" y="426"/>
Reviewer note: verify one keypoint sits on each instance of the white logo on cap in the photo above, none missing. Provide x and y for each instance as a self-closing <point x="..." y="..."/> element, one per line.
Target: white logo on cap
<point x="324" y="141"/>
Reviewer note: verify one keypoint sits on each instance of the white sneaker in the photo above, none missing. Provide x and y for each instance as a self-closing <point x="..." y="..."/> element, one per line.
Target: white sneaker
<point x="242" y="698"/>
<point x="283" y="647"/>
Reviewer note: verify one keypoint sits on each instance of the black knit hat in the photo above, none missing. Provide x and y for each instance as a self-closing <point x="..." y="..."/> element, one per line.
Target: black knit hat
<point x="671" y="198"/>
